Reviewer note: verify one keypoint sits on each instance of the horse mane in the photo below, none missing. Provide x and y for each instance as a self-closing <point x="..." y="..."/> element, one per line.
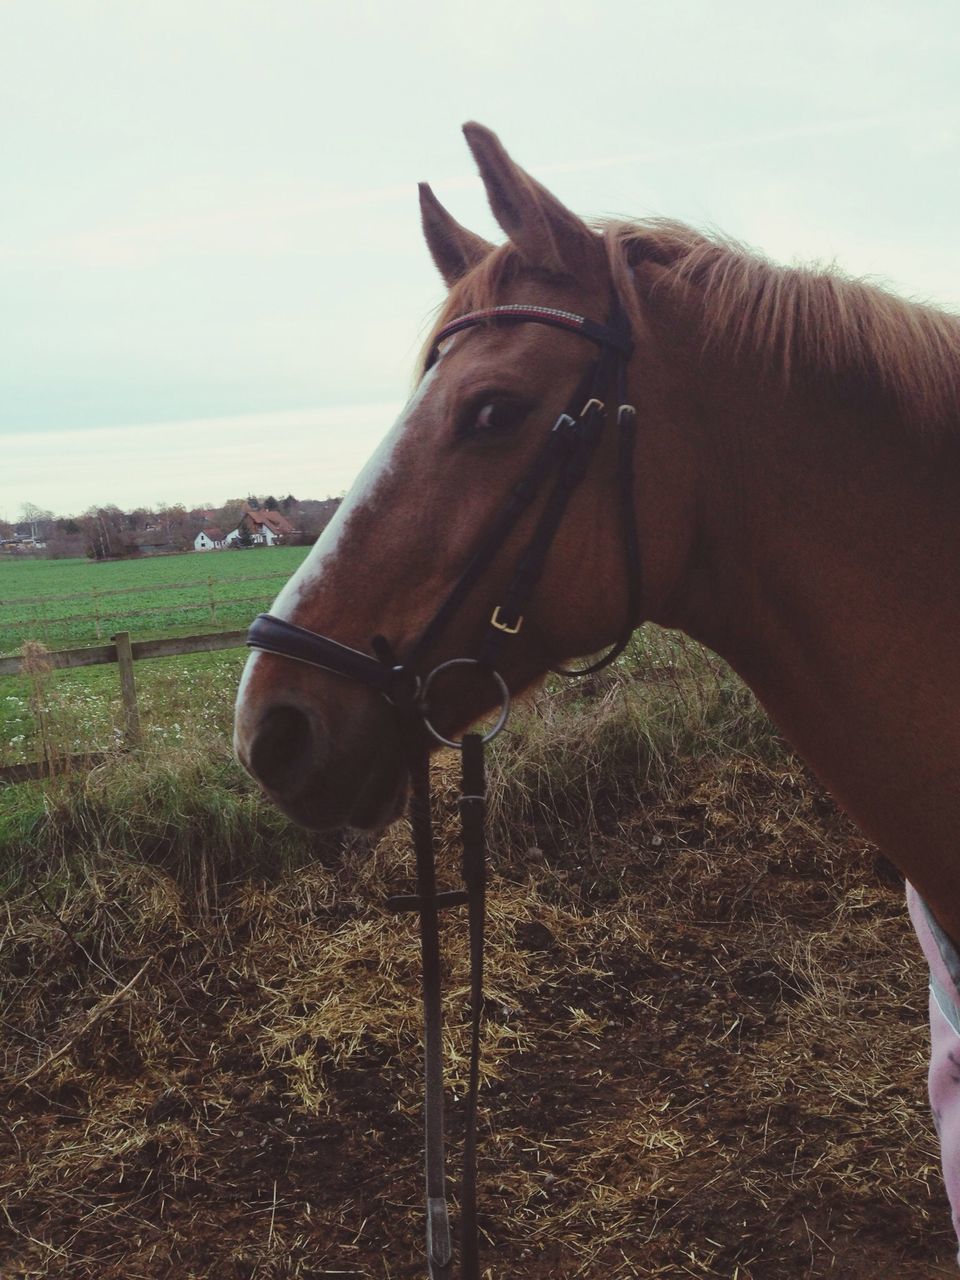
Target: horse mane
<point x="790" y="326"/>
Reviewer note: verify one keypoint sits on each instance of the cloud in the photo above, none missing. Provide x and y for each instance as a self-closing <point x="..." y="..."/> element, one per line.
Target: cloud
<point x="737" y="142"/>
<point x="309" y="452"/>
<point x="267" y="226"/>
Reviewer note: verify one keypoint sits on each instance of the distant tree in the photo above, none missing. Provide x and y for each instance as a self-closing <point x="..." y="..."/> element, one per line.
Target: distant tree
<point x="244" y="537"/>
<point x="314" y="517"/>
<point x="66" y="542"/>
<point x="35" y="521"/>
<point x="288" y="504"/>
<point x="228" y="516"/>
<point x="105" y="535"/>
<point x="253" y="503"/>
<point x="270" y="504"/>
<point x="141" y="518"/>
<point x="178" y="526"/>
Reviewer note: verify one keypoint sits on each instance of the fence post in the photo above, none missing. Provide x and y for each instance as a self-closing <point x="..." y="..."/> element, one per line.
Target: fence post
<point x="213" y="601"/>
<point x="128" y="689"/>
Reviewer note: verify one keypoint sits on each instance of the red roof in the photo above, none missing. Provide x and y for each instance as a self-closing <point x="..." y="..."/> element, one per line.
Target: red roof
<point x="275" y="522"/>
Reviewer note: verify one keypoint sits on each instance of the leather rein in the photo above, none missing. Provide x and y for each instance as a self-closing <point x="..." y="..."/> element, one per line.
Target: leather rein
<point x="565" y="455"/>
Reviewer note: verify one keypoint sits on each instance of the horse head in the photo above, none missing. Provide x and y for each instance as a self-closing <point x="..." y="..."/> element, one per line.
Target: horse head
<point x="489" y="397"/>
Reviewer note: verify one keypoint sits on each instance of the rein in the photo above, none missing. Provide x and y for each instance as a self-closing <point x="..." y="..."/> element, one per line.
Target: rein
<point x="565" y="455"/>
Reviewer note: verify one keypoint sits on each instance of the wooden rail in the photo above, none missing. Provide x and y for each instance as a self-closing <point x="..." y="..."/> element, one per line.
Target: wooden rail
<point x="99" y="654"/>
<point x="34" y="770"/>
<point x="125" y="653"/>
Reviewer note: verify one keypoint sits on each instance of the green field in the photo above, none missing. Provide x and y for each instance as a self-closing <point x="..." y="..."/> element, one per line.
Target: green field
<point x="82" y="709"/>
<point x="66" y="603"/>
<point x="158" y="596"/>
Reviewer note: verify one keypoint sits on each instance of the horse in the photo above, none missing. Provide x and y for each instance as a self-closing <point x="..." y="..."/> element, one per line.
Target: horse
<point x="794" y="495"/>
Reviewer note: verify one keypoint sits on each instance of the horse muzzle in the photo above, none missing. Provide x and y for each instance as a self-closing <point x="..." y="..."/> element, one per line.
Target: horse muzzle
<point x="326" y="767"/>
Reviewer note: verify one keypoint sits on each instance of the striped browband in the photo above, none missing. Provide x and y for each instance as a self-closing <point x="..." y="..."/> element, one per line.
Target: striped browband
<point x="602" y="334"/>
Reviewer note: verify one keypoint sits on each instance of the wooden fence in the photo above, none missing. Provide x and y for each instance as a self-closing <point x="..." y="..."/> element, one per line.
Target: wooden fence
<point x="124" y="653"/>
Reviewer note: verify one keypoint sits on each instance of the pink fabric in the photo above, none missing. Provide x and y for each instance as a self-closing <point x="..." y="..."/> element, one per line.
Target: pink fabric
<point x="944" y="1075"/>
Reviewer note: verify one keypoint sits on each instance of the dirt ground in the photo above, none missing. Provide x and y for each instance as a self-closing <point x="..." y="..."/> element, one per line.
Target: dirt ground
<point x="704" y="1057"/>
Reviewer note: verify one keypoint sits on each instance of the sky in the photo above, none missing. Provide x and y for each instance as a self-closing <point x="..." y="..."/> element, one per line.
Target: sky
<point x="213" y="277"/>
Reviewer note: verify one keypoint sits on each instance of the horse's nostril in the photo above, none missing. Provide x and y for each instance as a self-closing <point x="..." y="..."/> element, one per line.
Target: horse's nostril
<point x="282" y="751"/>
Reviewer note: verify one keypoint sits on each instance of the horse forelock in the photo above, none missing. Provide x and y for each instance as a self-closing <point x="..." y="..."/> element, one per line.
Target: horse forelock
<point x="788" y="325"/>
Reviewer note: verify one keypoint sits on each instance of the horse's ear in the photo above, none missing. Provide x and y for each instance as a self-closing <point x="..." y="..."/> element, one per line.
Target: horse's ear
<point x="544" y="230"/>
<point x="453" y="248"/>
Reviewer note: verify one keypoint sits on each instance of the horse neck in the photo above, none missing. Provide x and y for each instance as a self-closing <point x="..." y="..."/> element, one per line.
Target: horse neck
<point x="822" y="563"/>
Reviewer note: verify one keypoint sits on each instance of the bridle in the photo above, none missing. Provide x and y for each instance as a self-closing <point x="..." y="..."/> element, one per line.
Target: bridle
<point x="566" y="453"/>
<point x="565" y="456"/>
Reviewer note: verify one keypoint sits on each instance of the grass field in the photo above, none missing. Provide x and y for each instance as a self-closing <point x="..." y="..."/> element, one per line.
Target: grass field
<point x="82" y="708"/>
<point x="157" y="596"/>
<point x="153" y="596"/>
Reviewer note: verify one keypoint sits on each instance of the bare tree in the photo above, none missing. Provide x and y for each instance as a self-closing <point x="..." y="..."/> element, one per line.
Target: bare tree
<point x="105" y="534"/>
<point x="37" y="520"/>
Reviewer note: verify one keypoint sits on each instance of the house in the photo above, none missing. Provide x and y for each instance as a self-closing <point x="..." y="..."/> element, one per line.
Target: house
<point x="210" y="539"/>
<point x="22" y="544"/>
<point x="152" y="542"/>
<point x="267" y="528"/>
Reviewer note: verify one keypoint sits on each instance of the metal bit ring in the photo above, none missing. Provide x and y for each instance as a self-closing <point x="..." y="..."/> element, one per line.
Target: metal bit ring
<point x="504" y="701"/>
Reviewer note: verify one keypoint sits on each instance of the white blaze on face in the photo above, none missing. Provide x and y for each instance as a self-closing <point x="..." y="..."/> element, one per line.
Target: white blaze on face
<point x="378" y="467"/>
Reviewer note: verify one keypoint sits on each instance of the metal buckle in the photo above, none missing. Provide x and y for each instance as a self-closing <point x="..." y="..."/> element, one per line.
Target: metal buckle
<point x="504" y="701"/>
<point x="505" y="626"/>
<point x="408" y="697"/>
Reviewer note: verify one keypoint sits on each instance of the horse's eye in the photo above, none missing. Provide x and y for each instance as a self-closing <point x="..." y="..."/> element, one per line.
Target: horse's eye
<point x="495" y="417"/>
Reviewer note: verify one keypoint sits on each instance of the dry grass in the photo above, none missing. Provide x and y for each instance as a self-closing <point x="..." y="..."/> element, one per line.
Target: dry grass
<point x="703" y="1054"/>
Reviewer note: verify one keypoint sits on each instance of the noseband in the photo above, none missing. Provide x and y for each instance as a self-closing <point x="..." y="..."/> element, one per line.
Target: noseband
<point x="565" y="456"/>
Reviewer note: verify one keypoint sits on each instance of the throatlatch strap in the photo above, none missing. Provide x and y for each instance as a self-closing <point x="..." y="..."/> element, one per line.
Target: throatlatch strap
<point x="627" y="428"/>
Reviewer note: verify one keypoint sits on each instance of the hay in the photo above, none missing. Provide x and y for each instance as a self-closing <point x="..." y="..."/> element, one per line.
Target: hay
<point x="703" y="1054"/>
